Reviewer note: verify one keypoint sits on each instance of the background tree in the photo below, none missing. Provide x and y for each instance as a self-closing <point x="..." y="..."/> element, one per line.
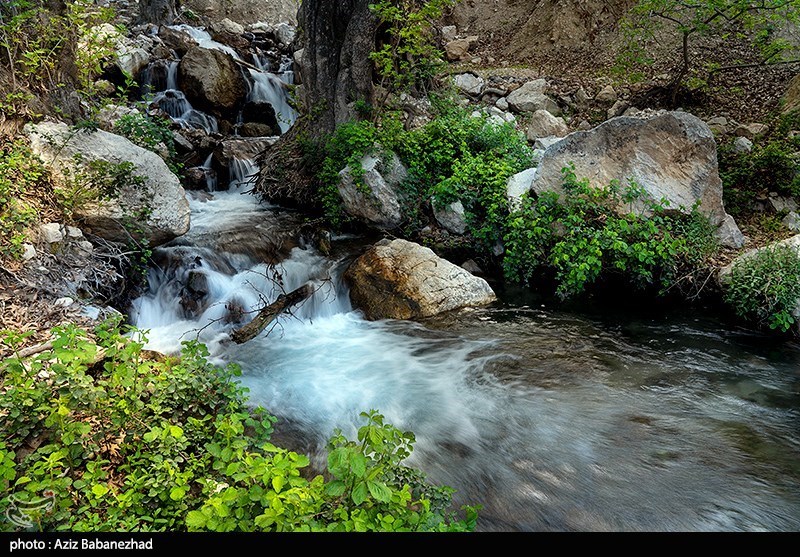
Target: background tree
<point x="759" y="19"/>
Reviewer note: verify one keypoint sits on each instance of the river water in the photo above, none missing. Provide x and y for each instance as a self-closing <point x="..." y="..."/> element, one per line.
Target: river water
<point x="551" y="420"/>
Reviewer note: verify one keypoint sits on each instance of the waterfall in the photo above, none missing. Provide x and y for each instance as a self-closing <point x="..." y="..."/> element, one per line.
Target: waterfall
<point x="211" y="176"/>
<point x="243" y="173"/>
<point x="268" y="88"/>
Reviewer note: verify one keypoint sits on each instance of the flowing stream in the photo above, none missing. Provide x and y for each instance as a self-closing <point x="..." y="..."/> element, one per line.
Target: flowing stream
<point x="551" y="420"/>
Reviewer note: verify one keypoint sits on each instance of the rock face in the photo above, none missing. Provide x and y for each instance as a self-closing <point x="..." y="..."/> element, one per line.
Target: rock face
<point x="252" y="11"/>
<point x="791" y="100"/>
<point x="403" y="280"/>
<point x="672" y="155"/>
<point x="161" y="194"/>
<point x="373" y="197"/>
<point x="211" y="80"/>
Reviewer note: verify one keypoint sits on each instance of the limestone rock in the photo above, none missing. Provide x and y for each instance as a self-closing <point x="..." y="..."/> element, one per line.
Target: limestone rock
<point x="742" y="145"/>
<point x="469" y="83"/>
<point x="160" y="195"/>
<point x="544" y="124"/>
<point x="792" y="221"/>
<point x="607" y="95"/>
<point x="403" y="280"/>
<point x="530" y="98"/>
<point x="449" y="33"/>
<point x="518" y="185"/>
<point x="373" y="197"/>
<point x="751" y="131"/>
<point x="451" y="217"/>
<point x="457" y="50"/>
<point x="671" y="155"/>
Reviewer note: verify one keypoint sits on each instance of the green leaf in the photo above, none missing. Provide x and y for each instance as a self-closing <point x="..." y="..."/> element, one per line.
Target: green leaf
<point x="359" y="494"/>
<point x="177" y="493"/>
<point x="195" y="520"/>
<point x="277" y="483"/>
<point x="176" y="431"/>
<point x="337" y="459"/>
<point x="380" y="491"/>
<point x="358" y="464"/>
<point x="335" y="488"/>
<point x="99" y="490"/>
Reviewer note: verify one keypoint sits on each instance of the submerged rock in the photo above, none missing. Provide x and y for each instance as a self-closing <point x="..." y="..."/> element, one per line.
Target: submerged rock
<point x="160" y="196"/>
<point x="402" y="280"/>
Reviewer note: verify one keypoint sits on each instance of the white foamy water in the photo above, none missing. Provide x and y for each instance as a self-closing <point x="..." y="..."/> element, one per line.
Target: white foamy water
<point x="551" y="421"/>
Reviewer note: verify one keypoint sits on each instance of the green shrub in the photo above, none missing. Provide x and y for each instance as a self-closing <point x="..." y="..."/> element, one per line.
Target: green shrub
<point x="97" y="434"/>
<point x="150" y="132"/>
<point x="768" y="168"/>
<point x="23" y="177"/>
<point x="581" y="237"/>
<point x="765" y="287"/>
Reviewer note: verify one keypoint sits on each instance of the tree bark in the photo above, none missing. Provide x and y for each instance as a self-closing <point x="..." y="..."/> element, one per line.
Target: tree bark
<point x="337" y="37"/>
<point x="270" y="313"/>
<point x="159" y="12"/>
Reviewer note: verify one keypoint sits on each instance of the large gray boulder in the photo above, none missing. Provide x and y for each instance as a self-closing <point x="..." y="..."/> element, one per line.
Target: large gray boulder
<point x="671" y="155"/>
<point x="160" y="196"/>
<point x="373" y="197"/>
<point x="402" y="280"/>
<point x="211" y="80"/>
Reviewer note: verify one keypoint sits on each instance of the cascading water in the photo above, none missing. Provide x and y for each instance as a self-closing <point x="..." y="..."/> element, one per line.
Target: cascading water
<point x="266" y="87"/>
<point x="550" y="421"/>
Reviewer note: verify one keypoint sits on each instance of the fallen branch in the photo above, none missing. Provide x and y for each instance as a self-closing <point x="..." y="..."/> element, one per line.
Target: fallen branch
<point x="38" y="349"/>
<point x="270" y="313"/>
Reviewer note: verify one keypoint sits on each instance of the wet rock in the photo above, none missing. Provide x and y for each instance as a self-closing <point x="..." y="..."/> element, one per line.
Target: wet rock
<point x="211" y="80"/>
<point x="177" y="39"/>
<point x="262" y="113"/>
<point x="255" y="129"/>
<point x="403" y="280"/>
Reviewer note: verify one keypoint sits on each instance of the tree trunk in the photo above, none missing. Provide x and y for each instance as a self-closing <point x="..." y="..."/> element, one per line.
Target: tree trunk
<point x="159" y="12"/>
<point x="337" y="37"/>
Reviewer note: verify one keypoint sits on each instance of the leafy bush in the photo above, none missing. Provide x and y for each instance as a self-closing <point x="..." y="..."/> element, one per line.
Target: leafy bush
<point x="22" y="176"/>
<point x="101" y="435"/>
<point x="456" y="156"/>
<point x="770" y="167"/>
<point x="150" y="132"/>
<point x="765" y="287"/>
<point x="582" y="237"/>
